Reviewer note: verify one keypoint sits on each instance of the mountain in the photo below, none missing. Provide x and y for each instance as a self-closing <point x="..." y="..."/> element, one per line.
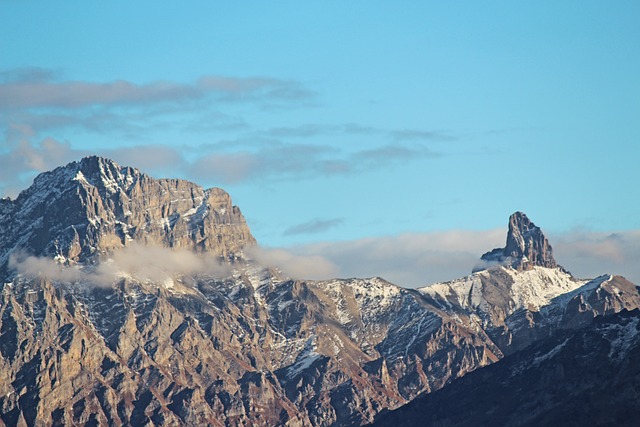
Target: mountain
<point x="588" y="376"/>
<point x="91" y="207"/>
<point x="526" y="247"/>
<point x="523" y="301"/>
<point x="129" y="300"/>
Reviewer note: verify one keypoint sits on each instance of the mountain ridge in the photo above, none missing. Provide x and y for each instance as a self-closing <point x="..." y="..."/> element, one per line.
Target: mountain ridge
<point x="251" y="347"/>
<point x="91" y="207"/>
<point x="544" y="384"/>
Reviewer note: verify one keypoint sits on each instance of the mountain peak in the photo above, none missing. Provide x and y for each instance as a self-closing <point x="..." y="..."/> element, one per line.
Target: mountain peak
<point x="526" y="246"/>
<point x="106" y="174"/>
<point x="92" y="206"/>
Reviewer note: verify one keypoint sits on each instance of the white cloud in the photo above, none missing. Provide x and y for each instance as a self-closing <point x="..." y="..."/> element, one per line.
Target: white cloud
<point x="140" y="262"/>
<point x="419" y="259"/>
<point x="589" y="254"/>
<point x="409" y="260"/>
<point x="296" y="266"/>
<point x="32" y="266"/>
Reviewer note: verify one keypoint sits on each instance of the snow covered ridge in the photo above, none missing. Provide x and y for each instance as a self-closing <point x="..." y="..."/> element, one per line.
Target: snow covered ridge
<point x="531" y="289"/>
<point x="232" y="346"/>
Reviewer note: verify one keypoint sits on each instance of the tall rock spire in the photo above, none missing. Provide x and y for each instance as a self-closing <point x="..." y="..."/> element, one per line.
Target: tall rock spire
<point x="526" y="246"/>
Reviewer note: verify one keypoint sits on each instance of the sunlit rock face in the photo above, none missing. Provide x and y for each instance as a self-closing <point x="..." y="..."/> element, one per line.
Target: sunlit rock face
<point x="526" y="247"/>
<point x="94" y="206"/>
<point x="175" y="341"/>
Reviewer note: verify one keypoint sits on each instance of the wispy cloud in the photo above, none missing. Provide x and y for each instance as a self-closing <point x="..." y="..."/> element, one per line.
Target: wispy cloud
<point x="28" y="74"/>
<point x="22" y="158"/>
<point x="39" y="89"/>
<point x="312" y="130"/>
<point x="215" y="121"/>
<point x="277" y="160"/>
<point x="296" y="266"/>
<point x="313" y="226"/>
<point x="420" y="259"/>
<point x="25" y="156"/>
<point x="267" y="161"/>
<point x="36" y="103"/>
<point x="39" y="109"/>
<point x="136" y="261"/>
<point x="411" y="260"/>
<point x="387" y="153"/>
<point x="148" y="158"/>
<point x="416" y="134"/>
<point x="44" y="102"/>
<point x="588" y="254"/>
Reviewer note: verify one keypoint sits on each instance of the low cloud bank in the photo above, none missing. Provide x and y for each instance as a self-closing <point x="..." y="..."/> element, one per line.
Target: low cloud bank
<point x="296" y="266"/>
<point x="420" y="259"/>
<point x="409" y="260"/>
<point x="139" y="262"/>
<point x="590" y="254"/>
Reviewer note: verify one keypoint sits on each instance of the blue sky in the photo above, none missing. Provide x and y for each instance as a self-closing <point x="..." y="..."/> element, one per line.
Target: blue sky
<point x="333" y="123"/>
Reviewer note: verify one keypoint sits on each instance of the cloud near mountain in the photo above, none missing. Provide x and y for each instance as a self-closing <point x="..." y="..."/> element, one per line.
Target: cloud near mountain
<point x="418" y="259"/>
<point x="144" y="263"/>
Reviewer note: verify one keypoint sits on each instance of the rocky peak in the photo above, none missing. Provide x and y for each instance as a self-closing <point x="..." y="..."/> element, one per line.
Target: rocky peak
<point x="526" y="246"/>
<point x="93" y="206"/>
<point x="93" y="171"/>
<point x="106" y="174"/>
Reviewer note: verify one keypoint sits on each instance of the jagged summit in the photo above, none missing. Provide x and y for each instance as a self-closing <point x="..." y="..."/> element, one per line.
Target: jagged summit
<point x="251" y="348"/>
<point x="94" y="205"/>
<point x="526" y="246"/>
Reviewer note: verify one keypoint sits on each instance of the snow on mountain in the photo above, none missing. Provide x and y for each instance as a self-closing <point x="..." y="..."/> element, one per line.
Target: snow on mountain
<point x="169" y="340"/>
<point x="531" y="289"/>
<point x="583" y="376"/>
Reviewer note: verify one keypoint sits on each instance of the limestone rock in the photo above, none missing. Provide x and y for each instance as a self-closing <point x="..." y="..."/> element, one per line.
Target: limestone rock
<point x="91" y="207"/>
<point x="526" y="246"/>
<point x="252" y="348"/>
<point x="545" y="384"/>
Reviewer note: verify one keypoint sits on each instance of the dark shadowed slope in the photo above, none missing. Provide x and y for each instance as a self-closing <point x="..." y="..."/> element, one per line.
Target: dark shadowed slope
<point x="585" y="377"/>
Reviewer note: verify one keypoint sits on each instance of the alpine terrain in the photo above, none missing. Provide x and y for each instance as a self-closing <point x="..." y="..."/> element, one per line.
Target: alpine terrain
<point x="129" y="300"/>
<point x="583" y="377"/>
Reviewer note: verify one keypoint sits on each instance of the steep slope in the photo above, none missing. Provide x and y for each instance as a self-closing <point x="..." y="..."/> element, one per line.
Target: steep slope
<point x="223" y="352"/>
<point x="526" y="247"/>
<point x="88" y="208"/>
<point x="250" y="347"/>
<point x="517" y="306"/>
<point x="587" y="376"/>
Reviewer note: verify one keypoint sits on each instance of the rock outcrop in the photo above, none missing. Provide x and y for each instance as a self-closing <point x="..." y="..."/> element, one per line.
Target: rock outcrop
<point x="545" y="384"/>
<point x="91" y="207"/>
<point x="252" y="348"/>
<point x="526" y="247"/>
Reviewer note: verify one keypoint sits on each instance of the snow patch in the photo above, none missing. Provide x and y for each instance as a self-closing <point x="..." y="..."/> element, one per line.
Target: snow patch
<point x="531" y="289"/>
<point x="551" y="353"/>
<point x="305" y="359"/>
<point x="624" y="338"/>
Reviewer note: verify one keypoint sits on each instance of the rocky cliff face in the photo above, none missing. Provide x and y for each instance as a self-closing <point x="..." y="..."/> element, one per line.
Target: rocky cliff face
<point x="545" y="384"/>
<point x="92" y="207"/>
<point x="526" y="247"/>
<point x="250" y="348"/>
<point x="523" y="300"/>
